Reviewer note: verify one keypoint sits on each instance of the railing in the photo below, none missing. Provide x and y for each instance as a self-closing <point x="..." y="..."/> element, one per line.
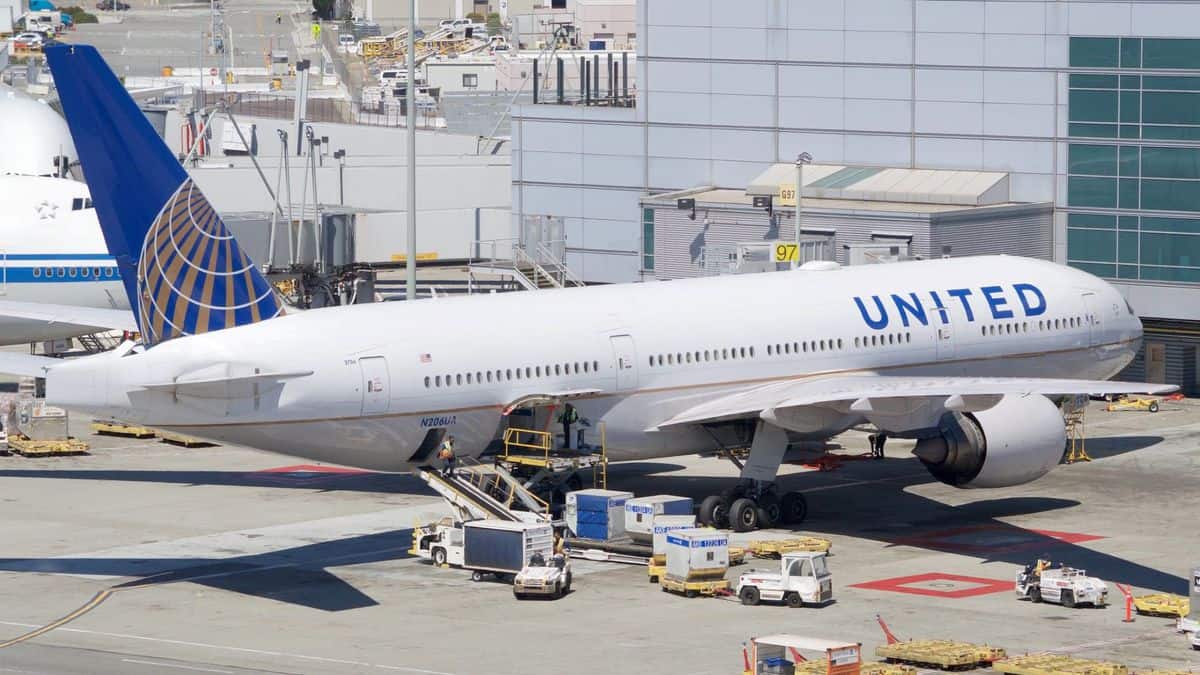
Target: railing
<point x="325" y="110"/>
<point x="525" y="265"/>
<point x="541" y="441"/>
<point x="565" y="276"/>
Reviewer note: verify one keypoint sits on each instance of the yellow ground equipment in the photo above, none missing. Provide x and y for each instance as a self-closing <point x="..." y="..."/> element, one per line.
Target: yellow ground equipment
<point x="944" y="654"/>
<point x="737" y="555"/>
<point x="1162" y="604"/>
<point x="1055" y="664"/>
<point x="693" y="588"/>
<point x="181" y="440"/>
<point x="121" y="429"/>
<point x="775" y="548"/>
<point x="1147" y="404"/>
<point x="869" y="668"/>
<point x="25" y="447"/>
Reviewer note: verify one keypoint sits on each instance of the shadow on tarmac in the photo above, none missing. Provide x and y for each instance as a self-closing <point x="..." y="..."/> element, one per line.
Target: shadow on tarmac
<point x="872" y="501"/>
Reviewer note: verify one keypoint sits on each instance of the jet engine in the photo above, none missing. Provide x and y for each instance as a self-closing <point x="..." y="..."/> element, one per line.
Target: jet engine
<point x="1016" y="441"/>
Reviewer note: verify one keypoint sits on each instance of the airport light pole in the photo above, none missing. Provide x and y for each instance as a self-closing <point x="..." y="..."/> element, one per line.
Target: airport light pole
<point x="802" y="159"/>
<point x="410" y="106"/>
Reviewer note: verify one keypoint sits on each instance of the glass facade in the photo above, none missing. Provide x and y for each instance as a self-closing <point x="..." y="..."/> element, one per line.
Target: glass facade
<point x="1133" y="161"/>
<point x="648" y="240"/>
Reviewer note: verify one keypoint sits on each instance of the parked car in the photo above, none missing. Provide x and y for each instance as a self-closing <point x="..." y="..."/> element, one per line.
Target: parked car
<point x="30" y="38"/>
<point x="112" y="5"/>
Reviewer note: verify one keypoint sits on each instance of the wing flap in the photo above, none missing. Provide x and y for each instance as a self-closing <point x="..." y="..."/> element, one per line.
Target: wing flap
<point x="94" y="318"/>
<point x="865" y="393"/>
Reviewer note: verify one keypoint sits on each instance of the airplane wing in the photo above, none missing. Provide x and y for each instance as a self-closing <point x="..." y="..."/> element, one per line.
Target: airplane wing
<point x="26" y="365"/>
<point x="863" y="394"/>
<point x="99" y="318"/>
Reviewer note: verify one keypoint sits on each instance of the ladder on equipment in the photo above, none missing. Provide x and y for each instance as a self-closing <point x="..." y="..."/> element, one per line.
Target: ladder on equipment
<point x="483" y="491"/>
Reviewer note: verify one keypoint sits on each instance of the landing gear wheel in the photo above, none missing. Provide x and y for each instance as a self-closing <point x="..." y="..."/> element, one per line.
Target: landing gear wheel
<point x="749" y="595"/>
<point x="793" y="600"/>
<point x="743" y="515"/>
<point x="794" y="508"/>
<point x="714" y="510"/>
<point x="770" y="511"/>
<point x="439" y="556"/>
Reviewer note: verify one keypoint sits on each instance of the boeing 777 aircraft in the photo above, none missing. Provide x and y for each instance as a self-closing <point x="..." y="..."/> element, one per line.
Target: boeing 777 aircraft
<point x="960" y="354"/>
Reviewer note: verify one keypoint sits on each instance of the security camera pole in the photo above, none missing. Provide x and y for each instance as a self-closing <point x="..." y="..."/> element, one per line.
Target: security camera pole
<point x="801" y="160"/>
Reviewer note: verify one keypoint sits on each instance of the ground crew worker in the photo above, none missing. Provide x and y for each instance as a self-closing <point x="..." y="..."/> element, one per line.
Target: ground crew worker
<point x="877" y="441"/>
<point x="278" y="18"/>
<point x="446" y="454"/>
<point x="558" y="544"/>
<point x="568" y="416"/>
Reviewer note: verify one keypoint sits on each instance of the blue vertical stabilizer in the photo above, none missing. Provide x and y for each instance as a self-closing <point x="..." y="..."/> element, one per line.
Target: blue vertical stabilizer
<point x="182" y="269"/>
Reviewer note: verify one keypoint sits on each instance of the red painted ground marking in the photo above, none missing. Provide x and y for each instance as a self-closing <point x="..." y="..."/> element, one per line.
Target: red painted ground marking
<point x="311" y="468"/>
<point x="993" y="539"/>
<point x="926" y="584"/>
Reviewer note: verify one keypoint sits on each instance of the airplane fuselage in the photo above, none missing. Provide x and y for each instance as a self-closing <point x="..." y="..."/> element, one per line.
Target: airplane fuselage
<point x="364" y="385"/>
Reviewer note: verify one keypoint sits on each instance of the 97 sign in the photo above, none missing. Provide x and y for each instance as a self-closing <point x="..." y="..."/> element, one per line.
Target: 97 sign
<point x="786" y="252"/>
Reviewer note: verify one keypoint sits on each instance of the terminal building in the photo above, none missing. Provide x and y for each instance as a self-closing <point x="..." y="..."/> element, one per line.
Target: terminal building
<point x="1090" y="107"/>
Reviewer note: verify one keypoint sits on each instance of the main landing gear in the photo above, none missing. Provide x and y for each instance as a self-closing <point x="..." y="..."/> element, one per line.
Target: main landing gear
<point x="755" y="502"/>
<point x="753" y="505"/>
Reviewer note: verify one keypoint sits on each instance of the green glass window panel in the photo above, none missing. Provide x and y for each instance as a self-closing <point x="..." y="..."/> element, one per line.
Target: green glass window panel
<point x="1159" y="107"/>
<point x="1171" y="225"/>
<point x="1154" y="132"/>
<point x="1099" y="269"/>
<point x="1101" y="192"/>
<point x="1131" y="106"/>
<point x="1131" y="52"/>
<point x="1092" y="130"/>
<point x="1095" y="220"/>
<point x="1178" y="250"/>
<point x="1092" y="160"/>
<point x="1094" y="52"/>
<point x="1093" y="245"/>
<point x="1127" y="223"/>
<point x="1170" y="82"/>
<point x="1171" y="162"/>
<point x="1127" y="247"/>
<point x="1169" y="195"/>
<point x="1128" y="162"/>
<point x="1130" y="131"/>
<point x="1094" y="106"/>
<point x="1131" y="82"/>
<point x="648" y="239"/>
<point x="1168" y="53"/>
<point x="1189" y="274"/>
<point x="1127" y="197"/>
<point x="1127" y="271"/>
<point x="1083" y="81"/>
<point x="648" y="216"/>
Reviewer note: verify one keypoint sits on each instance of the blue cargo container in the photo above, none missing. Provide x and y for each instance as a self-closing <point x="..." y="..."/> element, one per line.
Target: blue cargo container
<point x="597" y="514"/>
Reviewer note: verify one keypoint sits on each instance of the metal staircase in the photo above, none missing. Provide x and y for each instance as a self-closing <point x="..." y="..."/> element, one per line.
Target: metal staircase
<point x="483" y="491"/>
<point x="533" y="270"/>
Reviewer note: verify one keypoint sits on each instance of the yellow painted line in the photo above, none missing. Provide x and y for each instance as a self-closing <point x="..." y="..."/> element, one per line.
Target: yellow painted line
<point x="87" y="607"/>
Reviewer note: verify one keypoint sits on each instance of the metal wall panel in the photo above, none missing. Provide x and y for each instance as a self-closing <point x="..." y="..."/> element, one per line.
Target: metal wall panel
<point x="1182" y="341"/>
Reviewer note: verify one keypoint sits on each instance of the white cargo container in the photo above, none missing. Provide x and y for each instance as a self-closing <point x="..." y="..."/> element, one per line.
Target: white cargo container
<point x="697" y="554"/>
<point x="663" y="525"/>
<point x="640" y="513"/>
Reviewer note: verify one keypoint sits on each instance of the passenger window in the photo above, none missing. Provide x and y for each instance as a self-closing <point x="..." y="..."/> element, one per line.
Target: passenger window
<point x="595" y="365"/>
<point x="426" y="381"/>
<point x="62" y="271"/>
<point x="438" y="380"/>
<point x="71" y="272"/>
<point x="37" y="272"/>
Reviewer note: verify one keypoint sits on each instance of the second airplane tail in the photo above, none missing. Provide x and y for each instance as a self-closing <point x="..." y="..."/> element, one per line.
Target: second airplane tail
<point x="182" y="269"/>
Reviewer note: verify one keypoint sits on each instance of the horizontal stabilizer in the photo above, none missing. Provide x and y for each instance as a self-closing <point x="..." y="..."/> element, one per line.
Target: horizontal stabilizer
<point x="97" y="318"/>
<point x="224" y="381"/>
<point x="26" y="365"/>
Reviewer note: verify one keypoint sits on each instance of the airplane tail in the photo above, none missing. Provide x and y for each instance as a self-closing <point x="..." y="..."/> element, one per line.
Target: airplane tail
<point x="182" y="269"/>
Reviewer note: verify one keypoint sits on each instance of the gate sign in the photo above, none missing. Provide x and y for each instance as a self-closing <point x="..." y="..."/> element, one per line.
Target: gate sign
<point x="787" y="194"/>
<point x="786" y="252"/>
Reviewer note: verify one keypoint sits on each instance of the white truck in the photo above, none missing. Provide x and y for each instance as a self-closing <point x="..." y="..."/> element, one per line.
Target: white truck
<point x="1063" y="585"/>
<point x="803" y="579"/>
<point x="440" y="542"/>
<point x="551" y="579"/>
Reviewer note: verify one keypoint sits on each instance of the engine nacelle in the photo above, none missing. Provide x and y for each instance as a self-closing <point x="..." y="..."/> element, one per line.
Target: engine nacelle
<point x="1014" y="442"/>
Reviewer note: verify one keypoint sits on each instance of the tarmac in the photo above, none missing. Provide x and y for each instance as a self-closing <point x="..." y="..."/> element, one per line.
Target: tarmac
<point x="227" y="560"/>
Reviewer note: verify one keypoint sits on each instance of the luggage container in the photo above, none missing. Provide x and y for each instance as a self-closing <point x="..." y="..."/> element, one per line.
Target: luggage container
<point x="504" y="548"/>
<point x="657" y="566"/>
<point x="597" y="514"/>
<point x="696" y="554"/>
<point x="641" y="512"/>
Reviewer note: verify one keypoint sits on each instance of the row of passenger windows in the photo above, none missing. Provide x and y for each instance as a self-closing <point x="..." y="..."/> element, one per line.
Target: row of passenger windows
<point x="510" y="374"/>
<point x="778" y="349"/>
<point x="73" y="272"/>
<point x="1043" y="325"/>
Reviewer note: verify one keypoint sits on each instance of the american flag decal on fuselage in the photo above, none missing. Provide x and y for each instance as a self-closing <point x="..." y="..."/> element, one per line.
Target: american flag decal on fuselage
<point x="193" y="277"/>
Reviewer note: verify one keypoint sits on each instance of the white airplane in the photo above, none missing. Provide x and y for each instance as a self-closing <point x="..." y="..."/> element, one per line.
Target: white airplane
<point x="961" y="354"/>
<point x="52" y="253"/>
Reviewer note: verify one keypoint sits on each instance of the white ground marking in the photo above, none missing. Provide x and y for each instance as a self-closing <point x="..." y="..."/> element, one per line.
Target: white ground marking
<point x="175" y="665"/>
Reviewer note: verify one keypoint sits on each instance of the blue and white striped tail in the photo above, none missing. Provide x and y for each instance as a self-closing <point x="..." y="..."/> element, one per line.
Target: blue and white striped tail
<point x="182" y="270"/>
<point x="193" y="277"/>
